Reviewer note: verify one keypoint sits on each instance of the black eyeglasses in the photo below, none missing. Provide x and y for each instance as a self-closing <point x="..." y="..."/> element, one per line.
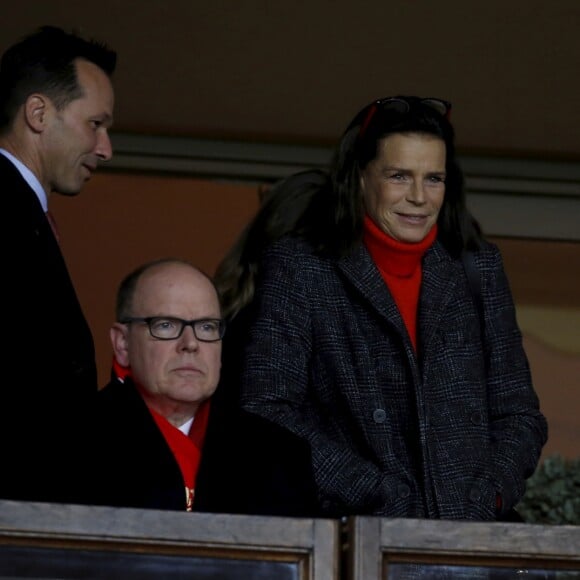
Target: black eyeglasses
<point x="403" y="105"/>
<point x="168" y="328"/>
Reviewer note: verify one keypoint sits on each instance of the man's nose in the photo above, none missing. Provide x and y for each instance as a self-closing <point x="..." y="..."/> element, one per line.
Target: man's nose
<point x="188" y="340"/>
<point x="104" y="149"/>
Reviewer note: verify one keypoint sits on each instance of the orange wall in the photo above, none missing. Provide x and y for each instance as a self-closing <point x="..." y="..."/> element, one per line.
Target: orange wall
<point x="121" y="220"/>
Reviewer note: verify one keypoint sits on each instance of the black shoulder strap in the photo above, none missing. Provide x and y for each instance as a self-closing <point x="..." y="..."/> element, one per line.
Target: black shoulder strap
<point x="474" y="280"/>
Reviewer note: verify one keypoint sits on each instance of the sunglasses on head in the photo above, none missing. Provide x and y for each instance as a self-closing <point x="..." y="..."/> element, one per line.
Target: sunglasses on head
<point x="403" y="105"/>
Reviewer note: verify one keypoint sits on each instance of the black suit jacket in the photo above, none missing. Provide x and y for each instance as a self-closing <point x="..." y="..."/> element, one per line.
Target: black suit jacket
<point x="48" y="357"/>
<point x="248" y="464"/>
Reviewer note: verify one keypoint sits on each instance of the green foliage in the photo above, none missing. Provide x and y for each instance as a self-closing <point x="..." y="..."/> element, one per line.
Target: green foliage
<point x="553" y="493"/>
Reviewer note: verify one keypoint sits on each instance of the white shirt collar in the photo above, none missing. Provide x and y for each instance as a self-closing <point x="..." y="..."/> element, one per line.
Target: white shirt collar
<point x="186" y="426"/>
<point x="29" y="177"/>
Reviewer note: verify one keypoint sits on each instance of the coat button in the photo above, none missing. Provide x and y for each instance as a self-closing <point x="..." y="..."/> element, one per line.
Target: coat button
<point x="474" y="494"/>
<point x="403" y="490"/>
<point x="379" y="415"/>
<point x="476" y="418"/>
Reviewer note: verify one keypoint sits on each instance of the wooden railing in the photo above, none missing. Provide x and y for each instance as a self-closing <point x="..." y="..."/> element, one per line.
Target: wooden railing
<point x="381" y="548"/>
<point x="44" y="541"/>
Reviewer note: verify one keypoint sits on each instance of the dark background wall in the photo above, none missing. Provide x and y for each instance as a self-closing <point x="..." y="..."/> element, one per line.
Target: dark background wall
<point x="277" y="71"/>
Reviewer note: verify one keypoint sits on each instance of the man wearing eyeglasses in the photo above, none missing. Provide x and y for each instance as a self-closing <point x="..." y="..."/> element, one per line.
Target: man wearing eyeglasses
<point x="162" y="440"/>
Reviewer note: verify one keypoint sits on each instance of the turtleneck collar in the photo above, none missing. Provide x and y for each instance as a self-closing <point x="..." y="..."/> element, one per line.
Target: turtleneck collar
<point x="393" y="257"/>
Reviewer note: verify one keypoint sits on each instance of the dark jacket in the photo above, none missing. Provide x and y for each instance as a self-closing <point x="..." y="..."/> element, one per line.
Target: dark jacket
<point x="439" y="434"/>
<point x="47" y="357"/>
<point x="248" y="465"/>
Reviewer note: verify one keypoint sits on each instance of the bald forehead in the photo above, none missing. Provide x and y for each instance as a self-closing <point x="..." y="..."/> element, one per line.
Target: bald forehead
<point x="173" y="277"/>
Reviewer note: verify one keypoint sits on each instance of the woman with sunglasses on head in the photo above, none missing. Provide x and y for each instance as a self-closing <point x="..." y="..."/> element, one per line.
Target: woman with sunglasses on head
<point x="366" y="339"/>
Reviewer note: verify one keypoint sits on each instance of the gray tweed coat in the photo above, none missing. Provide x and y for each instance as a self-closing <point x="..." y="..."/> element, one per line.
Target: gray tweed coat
<point x="438" y="435"/>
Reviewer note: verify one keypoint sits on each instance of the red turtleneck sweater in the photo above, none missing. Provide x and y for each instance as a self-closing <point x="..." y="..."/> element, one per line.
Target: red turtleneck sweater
<point x="400" y="266"/>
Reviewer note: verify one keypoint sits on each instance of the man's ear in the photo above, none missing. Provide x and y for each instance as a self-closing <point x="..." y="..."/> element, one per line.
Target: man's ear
<point x="120" y="343"/>
<point x="36" y="109"/>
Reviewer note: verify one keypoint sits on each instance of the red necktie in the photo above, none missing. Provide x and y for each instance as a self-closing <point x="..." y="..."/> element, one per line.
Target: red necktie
<point x="52" y="223"/>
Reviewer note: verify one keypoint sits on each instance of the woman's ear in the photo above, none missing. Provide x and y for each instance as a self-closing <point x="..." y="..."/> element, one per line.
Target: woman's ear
<point x="361" y="182"/>
<point x="119" y="334"/>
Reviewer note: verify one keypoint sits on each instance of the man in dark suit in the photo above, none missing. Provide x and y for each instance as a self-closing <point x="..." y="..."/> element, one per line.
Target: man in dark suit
<point x="56" y="107"/>
<point x="161" y="439"/>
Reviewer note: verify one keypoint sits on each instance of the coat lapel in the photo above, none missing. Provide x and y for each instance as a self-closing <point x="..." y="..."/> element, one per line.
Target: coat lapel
<point x="362" y="273"/>
<point x="438" y="289"/>
<point x="439" y="281"/>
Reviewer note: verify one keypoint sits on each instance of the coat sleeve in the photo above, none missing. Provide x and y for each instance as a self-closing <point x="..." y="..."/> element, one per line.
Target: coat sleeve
<point x="518" y="428"/>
